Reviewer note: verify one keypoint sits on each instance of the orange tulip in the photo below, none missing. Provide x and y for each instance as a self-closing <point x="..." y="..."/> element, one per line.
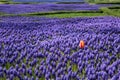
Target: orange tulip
<point x="81" y="44"/>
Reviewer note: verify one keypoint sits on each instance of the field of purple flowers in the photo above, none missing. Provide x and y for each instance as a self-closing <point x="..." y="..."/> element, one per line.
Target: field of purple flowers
<point x="31" y="8"/>
<point x="33" y="48"/>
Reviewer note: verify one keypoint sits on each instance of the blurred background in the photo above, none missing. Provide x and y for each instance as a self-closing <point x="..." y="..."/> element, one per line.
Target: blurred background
<point x="107" y="1"/>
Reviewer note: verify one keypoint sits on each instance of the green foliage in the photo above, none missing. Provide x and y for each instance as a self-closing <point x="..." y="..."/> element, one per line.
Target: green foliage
<point x="103" y="1"/>
<point x="2" y="78"/>
<point x="70" y="2"/>
<point x="7" y="2"/>
<point x="112" y="12"/>
<point x="74" y="67"/>
<point x="3" y="1"/>
<point x="1" y="13"/>
<point x="64" y="14"/>
<point x="114" y="7"/>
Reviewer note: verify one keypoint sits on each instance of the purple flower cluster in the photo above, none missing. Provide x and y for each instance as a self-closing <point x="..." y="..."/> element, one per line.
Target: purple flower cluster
<point x="33" y="48"/>
<point x="30" y="8"/>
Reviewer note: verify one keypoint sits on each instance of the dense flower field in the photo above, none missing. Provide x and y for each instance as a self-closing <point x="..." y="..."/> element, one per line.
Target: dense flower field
<point x="48" y="48"/>
<point x="29" y="8"/>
